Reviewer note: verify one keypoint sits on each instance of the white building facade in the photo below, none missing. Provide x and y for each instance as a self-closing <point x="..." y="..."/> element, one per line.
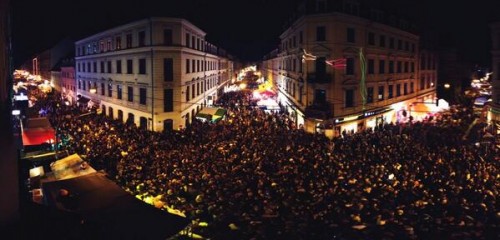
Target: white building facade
<point x="157" y="72"/>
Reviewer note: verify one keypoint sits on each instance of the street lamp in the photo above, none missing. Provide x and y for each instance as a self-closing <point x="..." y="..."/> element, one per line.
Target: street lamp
<point x="446" y="85"/>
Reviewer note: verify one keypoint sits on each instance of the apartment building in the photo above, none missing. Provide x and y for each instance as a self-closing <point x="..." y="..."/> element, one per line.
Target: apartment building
<point x="156" y="72"/>
<point x="339" y="70"/>
<point x="494" y="106"/>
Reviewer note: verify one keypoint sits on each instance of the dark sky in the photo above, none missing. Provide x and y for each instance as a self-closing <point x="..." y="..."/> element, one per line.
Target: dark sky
<point x="248" y="29"/>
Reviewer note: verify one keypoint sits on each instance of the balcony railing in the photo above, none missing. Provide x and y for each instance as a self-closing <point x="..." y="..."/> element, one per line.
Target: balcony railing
<point x="319" y="110"/>
<point x="319" y="78"/>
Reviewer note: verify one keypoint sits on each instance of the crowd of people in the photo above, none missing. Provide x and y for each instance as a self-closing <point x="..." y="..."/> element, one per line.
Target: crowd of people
<point x="255" y="176"/>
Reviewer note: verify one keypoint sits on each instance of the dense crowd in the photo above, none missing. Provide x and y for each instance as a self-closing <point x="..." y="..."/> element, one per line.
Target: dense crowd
<point x="255" y="176"/>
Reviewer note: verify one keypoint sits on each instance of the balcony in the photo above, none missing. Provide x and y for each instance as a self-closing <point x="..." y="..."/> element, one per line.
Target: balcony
<point x="319" y="78"/>
<point x="319" y="111"/>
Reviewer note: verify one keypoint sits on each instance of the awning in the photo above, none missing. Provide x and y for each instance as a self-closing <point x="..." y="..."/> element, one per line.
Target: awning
<point x="38" y="131"/>
<point x="212" y="114"/>
<point x="83" y="100"/>
<point x="109" y="212"/>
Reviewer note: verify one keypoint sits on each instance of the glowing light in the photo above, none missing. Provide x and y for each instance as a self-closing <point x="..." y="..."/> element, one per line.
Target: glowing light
<point x="307" y="56"/>
<point x="243" y="86"/>
<point x="447" y="85"/>
<point x="16" y="112"/>
<point x="93" y="90"/>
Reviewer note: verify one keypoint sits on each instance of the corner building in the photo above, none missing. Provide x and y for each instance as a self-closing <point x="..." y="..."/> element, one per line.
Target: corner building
<point x="337" y="70"/>
<point x="156" y="73"/>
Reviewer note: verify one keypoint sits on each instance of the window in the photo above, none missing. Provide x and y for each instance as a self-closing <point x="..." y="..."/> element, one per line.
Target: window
<point x="380" y="93"/>
<point x="142" y="96"/>
<point x="187" y="39"/>
<point x="110" y="90"/>
<point x="192" y="41"/>
<point x="399" y="67"/>
<point x="129" y="40"/>
<point x="412" y="67"/>
<point x="108" y="45"/>
<point x="118" y="43"/>
<point x="391" y="43"/>
<point x="193" y="65"/>
<point x="129" y="66"/>
<point x="422" y="83"/>
<point x="198" y="43"/>
<point x="101" y="46"/>
<point x="187" y="94"/>
<point x="168" y="70"/>
<point x="400" y="44"/>
<point x="391" y="66"/>
<point x="88" y="66"/>
<point x="168" y="100"/>
<point x="412" y="87"/>
<point x="351" y="35"/>
<point x="320" y="33"/>
<point x="349" y="98"/>
<point x="119" y="91"/>
<point x="382" y="41"/>
<point x="369" y="95"/>
<point x="79" y="84"/>
<point x="407" y="46"/>
<point x="142" y="66"/>
<point x="103" y="91"/>
<point x="406" y="67"/>
<point x="381" y="67"/>
<point x="371" y="66"/>
<point x="95" y="66"/>
<point x="84" y="86"/>
<point x="143" y="123"/>
<point x="197" y="88"/>
<point x="197" y="65"/>
<point x="398" y="90"/>
<point x="301" y="37"/>
<point x="109" y="66"/>
<point x="167" y="37"/>
<point x="118" y="66"/>
<point x="78" y="67"/>
<point x="422" y="62"/>
<point x="193" y="92"/>
<point x="371" y="38"/>
<point x="130" y="94"/>
<point x="405" y="89"/>
<point x="319" y="96"/>
<point x="102" y="67"/>
<point x="187" y="66"/>
<point x="413" y="47"/>
<point x="142" y="38"/>
<point x="349" y="69"/>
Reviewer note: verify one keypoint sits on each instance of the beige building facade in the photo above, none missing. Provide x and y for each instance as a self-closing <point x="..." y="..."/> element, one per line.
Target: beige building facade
<point x="322" y="60"/>
<point x="157" y="72"/>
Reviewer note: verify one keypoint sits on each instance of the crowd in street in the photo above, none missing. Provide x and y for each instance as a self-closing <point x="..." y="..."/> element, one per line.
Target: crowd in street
<point x="255" y="176"/>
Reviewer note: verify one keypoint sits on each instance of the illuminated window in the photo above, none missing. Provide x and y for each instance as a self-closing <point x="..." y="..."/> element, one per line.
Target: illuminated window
<point x="381" y="93"/>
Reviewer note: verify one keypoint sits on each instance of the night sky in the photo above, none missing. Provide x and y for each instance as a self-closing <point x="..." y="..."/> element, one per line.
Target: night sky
<point x="247" y="29"/>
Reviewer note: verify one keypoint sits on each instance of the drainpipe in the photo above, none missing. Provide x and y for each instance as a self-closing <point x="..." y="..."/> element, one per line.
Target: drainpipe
<point x="152" y="75"/>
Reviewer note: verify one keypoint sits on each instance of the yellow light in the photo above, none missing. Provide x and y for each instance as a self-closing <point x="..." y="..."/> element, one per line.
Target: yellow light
<point x="446" y="85"/>
<point x="243" y="85"/>
<point x="93" y="90"/>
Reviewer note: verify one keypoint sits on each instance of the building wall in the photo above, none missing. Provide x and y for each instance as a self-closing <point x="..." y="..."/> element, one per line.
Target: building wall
<point x="328" y="36"/>
<point x="494" y="111"/>
<point x="208" y="70"/>
<point x="68" y="84"/>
